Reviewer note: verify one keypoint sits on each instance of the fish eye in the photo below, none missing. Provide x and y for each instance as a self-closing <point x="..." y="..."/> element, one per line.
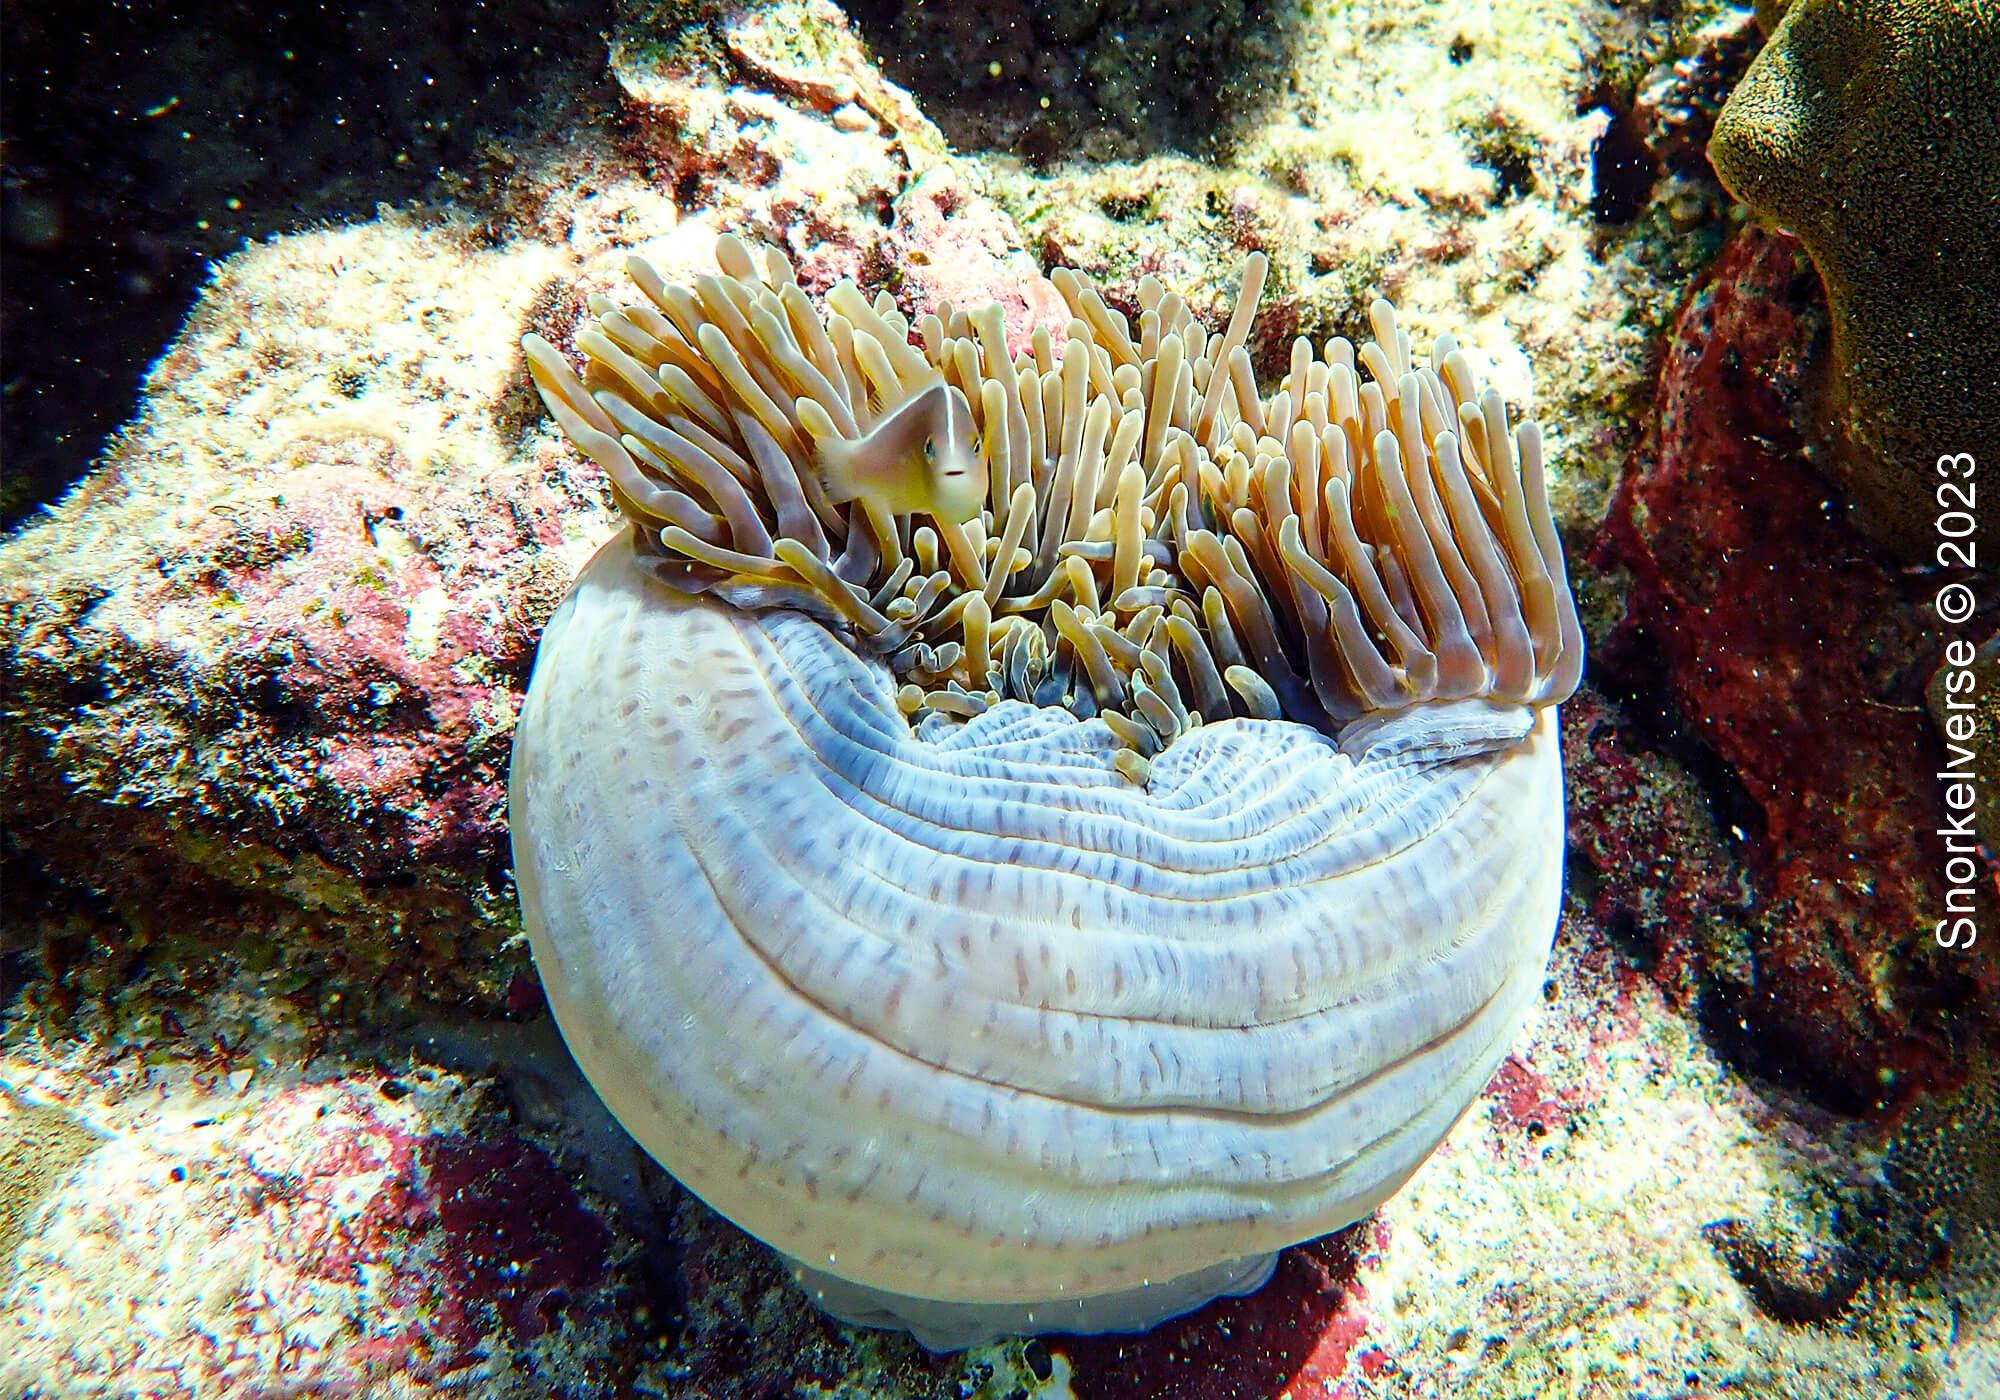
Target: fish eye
<point x="978" y="444"/>
<point x="930" y="449"/>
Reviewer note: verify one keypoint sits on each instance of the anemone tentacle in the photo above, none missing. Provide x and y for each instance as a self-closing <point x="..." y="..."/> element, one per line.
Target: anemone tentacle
<point x="1353" y="546"/>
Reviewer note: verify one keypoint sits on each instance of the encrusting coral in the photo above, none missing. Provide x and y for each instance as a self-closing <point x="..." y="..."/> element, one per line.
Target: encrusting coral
<point x="1147" y="515"/>
<point x="1868" y="128"/>
<point x="1068" y="1007"/>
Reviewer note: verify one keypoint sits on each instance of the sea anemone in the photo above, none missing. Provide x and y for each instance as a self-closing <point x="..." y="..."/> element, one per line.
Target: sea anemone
<point x="1028" y="836"/>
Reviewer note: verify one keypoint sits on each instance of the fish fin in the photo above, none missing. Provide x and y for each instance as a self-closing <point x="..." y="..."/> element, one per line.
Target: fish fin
<point x="847" y="470"/>
<point x="833" y="455"/>
<point x="887" y="463"/>
<point x="836" y="458"/>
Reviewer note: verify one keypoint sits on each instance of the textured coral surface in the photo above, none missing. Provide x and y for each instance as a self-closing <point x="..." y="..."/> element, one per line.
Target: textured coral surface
<point x="297" y="1120"/>
<point x="264" y="664"/>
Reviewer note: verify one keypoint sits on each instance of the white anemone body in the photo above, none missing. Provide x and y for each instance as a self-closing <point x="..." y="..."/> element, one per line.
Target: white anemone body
<point x="959" y="1012"/>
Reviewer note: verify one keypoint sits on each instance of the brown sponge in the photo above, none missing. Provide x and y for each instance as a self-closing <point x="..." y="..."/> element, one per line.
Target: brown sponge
<point x="1871" y="129"/>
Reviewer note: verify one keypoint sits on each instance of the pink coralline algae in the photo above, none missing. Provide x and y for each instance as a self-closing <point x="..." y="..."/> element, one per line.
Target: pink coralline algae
<point x="1523" y="1099"/>
<point x="323" y="1238"/>
<point x="1648" y="874"/>
<point x="337" y="638"/>
<point x="518" y="1238"/>
<point x="476" y="1237"/>
<point x="948" y="244"/>
<point x="1793" y="658"/>
<point x="301" y="713"/>
<point x="1305" y="1332"/>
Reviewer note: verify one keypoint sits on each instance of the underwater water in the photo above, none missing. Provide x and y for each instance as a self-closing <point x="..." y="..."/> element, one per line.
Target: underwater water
<point x="983" y="700"/>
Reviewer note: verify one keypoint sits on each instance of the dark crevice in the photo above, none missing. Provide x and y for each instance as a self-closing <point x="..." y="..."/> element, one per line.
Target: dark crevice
<point x="143" y="141"/>
<point x="1622" y="170"/>
<point x="1735" y="1020"/>
<point x="1631" y="670"/>
<point x="1117" y="79"/>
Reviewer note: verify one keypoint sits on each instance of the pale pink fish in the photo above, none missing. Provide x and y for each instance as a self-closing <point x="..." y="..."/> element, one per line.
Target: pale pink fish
<point x="923" y="458"/>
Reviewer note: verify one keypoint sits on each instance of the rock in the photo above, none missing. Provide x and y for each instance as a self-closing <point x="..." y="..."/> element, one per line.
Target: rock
<point x="1793" y="659"/>
<point x="39" y="1146"/>
<point x="951" y="244"/>
<point x="334" y="1234"/>
<point x="261" y="668"/>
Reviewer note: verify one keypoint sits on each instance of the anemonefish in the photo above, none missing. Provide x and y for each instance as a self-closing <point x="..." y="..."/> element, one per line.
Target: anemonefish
<point x="924" y="457"/>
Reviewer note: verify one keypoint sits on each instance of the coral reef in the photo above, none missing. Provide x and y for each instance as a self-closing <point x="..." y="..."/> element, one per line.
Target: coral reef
<point x="1535" y="1251"/>
<point x="1868" y="130"/>
<point x="254" y="727"/>
<point x="323" y="585"/>
<point x="386" y="858"/>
